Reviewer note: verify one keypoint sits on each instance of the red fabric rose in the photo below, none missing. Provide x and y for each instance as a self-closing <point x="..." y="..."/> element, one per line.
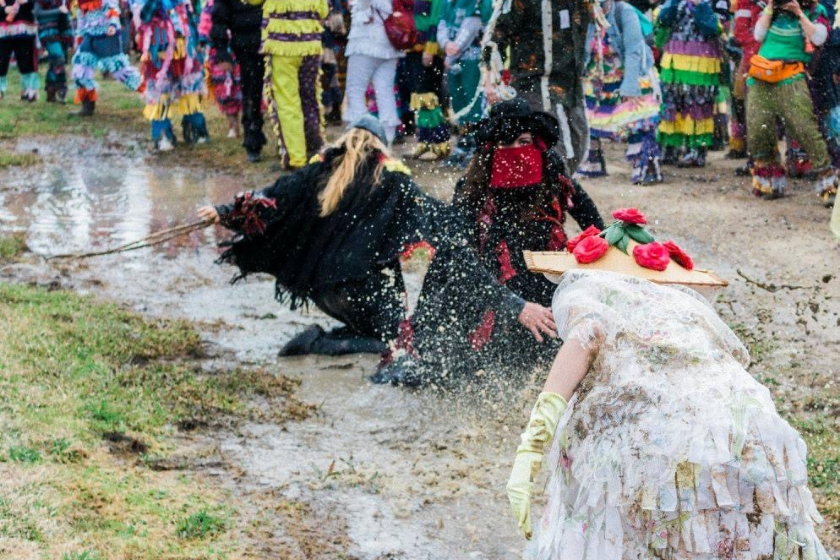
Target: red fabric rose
<point x="590" y="249"/>
<point x="573" y="242"/>
<point x="652" y="255"/>
<point x="630" y="216"/>
<point x="679" y="255"/>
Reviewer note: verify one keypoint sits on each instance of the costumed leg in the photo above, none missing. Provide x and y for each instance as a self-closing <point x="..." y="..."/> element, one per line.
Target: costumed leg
<point x="157" y="110"/>
<point x="56" y="79"/>
<point x="26" y="55"/>
<point x="360" y="69"/>
<point x="5" y="58"/>
<point x="309" y="77"/>
<point x="768" y="175"/>
<point x="432" y="131"/>
<point x="286" y="106"/>
<point x="383" y="85"/>
<point x="371" y="310"/>
<point x="112" y="59"/>
<point x="574" y="128"/>
<point x="252" y="70"/>
<point x="84" y="69"/>
<point x="797" y="110"/>
<point x="738" y="124"/>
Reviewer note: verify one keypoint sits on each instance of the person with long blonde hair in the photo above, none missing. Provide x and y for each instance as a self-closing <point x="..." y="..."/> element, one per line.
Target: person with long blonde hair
<point x="331" y="233"/>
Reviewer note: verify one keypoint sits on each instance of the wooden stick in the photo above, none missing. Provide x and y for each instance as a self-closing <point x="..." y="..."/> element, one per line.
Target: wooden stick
<point x="149" y="241"/>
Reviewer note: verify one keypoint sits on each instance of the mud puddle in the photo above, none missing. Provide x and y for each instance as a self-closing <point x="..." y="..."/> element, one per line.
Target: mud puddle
<point x="381" y="472"/>
<point x="384" y="473"/>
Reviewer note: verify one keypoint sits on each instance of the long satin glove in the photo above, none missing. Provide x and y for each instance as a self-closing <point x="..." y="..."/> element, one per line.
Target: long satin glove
<point x="529" y="455"/>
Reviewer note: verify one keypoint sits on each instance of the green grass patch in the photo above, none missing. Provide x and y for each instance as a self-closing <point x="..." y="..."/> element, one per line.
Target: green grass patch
<point x="12" y="247"/>
<point x="89" y="392"/>
<point x="15" y="159"/>
<point x="120" y="110"/>
<point x="201" y="525"/>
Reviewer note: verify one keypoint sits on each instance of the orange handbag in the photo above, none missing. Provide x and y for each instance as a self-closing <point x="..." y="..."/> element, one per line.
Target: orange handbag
<point x="773" y="71"/>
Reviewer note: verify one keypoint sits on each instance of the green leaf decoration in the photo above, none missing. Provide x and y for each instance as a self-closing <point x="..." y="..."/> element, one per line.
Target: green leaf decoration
<point x="639" y="234"/>
<point x="623" y="243"/>
<point x="614" y="234"/>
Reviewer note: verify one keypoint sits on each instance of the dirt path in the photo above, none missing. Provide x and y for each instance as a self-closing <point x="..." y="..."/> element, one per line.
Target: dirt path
<point x="381" y="472"/>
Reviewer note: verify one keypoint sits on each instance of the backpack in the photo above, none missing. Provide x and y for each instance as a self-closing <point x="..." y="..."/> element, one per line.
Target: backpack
<point x="400" y="29"/>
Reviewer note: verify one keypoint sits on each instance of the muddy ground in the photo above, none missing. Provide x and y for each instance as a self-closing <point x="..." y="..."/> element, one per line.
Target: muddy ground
<point x="381" y="472"/>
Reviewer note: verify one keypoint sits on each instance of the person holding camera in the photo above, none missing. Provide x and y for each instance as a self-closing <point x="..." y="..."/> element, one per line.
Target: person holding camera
<point x="777" y="89"/>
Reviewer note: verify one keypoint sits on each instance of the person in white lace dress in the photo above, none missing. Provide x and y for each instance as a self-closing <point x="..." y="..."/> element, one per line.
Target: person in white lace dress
<point x="668" y="448"/>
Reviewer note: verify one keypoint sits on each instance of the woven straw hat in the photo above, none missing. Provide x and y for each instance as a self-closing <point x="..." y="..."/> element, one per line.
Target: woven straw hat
<point x="622" y="239"/>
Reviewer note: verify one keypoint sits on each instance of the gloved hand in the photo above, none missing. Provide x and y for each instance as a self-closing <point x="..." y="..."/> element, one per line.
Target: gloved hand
<point x="537" y="435"/>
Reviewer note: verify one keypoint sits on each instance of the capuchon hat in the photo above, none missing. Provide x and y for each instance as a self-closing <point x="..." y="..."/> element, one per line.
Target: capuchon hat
<point x="511" y="118"/>
<point x="625" y="247"/>
<point x="372" y="125"/>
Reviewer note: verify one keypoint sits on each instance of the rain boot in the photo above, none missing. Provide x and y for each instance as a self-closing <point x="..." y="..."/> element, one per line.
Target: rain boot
<point x="87" y="109"/>
<point x="302" y="343"/>
<point x="162" y="135"/>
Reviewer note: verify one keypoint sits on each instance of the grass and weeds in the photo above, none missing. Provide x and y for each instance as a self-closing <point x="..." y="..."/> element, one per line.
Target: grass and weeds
<point x="12" y="247"/>
<point x="89" y="392"/>
<point x="823" y="438"/>
<point x="119" y="110"/>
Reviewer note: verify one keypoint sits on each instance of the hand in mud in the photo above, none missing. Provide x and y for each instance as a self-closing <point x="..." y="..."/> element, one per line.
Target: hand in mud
<point x="208" y="214"/>
<point x="538" y="320"/>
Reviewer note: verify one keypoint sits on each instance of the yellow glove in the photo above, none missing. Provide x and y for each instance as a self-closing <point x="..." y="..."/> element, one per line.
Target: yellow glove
<point x="544" y="418"/>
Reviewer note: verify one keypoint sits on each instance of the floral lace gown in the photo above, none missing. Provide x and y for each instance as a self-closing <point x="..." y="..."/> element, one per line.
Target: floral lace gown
<point x="669" y="449"/>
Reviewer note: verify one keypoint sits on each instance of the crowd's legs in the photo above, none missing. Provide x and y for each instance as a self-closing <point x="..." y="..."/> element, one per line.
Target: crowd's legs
<point x="381" y="72"/>
<point x="252" y="71"/>
<point x="26" y="55"/>
<point x="294" y="88"/>
<point x="791" y="102"/>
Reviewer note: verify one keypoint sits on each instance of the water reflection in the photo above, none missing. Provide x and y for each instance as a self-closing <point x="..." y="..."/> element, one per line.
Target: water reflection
<point x="107" y="201"/>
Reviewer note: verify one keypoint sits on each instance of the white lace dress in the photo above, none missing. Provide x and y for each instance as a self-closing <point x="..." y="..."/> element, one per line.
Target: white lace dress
<point x="669" y="449"/>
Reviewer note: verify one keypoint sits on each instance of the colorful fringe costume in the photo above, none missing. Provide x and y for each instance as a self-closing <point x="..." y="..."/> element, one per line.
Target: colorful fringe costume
<point x="432" y="132"/>
<point x="690" y="73"/>
<point x="17" y="36"/>
<point x="172" y="68"/>
<point x="291" y="42"/>
<point x="98" y="47"/>
<point x="56" y="36"/>
<point x="622" y="104"/>
<point x="790" y="101"/>
<point x="225" y="86"/>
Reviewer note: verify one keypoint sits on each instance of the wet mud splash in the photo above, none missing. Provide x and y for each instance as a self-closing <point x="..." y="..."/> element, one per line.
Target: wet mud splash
<point x="378" y="472"/>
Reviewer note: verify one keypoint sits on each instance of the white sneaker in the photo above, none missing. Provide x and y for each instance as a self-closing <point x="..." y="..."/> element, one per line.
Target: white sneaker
<point x="164" y="144"/>
<point x="202" y="140"/>
<point x="232" y="133"/>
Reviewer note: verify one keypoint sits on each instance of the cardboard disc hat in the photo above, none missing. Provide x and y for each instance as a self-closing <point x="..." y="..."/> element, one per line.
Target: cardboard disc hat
<point x="625" y="247"/>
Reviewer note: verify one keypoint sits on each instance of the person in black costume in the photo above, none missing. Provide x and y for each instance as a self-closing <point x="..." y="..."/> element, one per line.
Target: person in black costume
<point x="514" y="197"/>
<point x="332" y="233"/>
<point x="237" y="28"/>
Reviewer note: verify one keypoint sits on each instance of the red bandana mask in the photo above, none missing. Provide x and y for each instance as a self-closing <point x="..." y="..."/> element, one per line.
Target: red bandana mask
<point x="516" y="167"/>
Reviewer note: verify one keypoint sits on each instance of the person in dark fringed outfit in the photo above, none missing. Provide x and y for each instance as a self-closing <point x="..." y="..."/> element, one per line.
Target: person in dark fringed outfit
<point x="332" y="233"/>
<point x="513" y="198"/>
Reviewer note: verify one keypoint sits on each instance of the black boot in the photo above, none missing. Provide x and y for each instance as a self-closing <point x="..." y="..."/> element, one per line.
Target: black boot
<point x="302" y="342"/>
<point x="341" y="341"/>
<point x="86" y="110"/>
<point x="402" y="373"/>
